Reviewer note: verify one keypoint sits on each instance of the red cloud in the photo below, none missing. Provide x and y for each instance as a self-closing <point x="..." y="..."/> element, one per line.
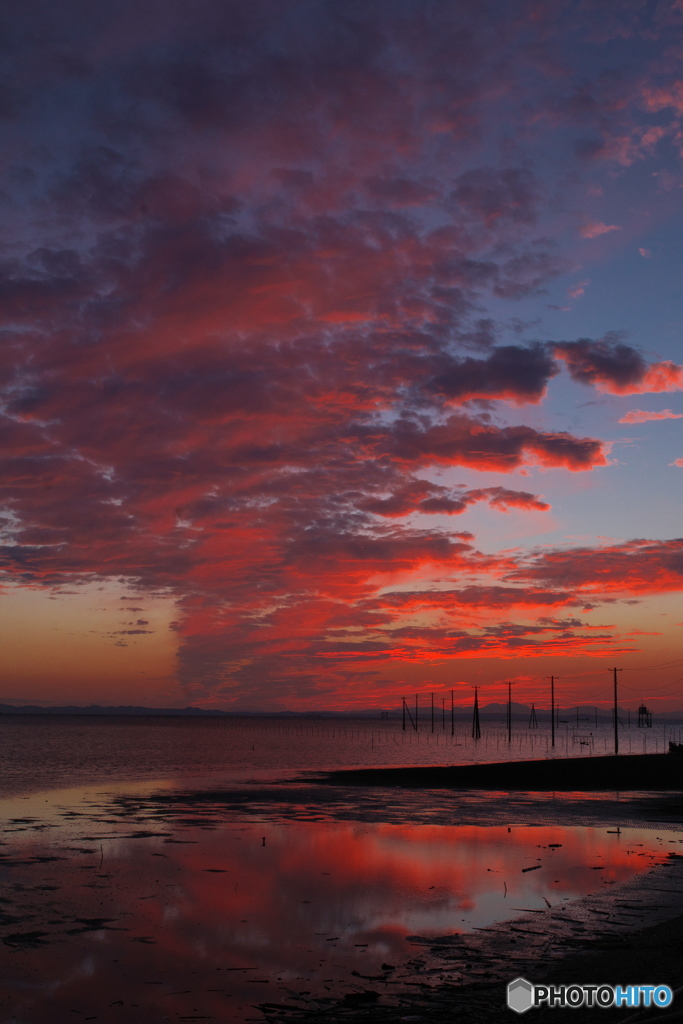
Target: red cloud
<point x="634" y="567"/>
<point x="462" y="440"/>
<point x="663" y="96"/>
<point x="665" y="376"/>
<point x="422" y="496"/>
<point x="593" y="229"/>
<point x="641" y="416"/>
<point x="502" y="498"/>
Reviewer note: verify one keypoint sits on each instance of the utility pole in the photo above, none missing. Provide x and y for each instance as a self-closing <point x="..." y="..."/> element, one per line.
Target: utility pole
<point x="552" y="711"/>
<point x="509" y="712"/>
<point x="476" y="730"/>
<point x="406" y="711"/>
<point x="432" y="712"/>
<point x="452" y="716"/>
<point x="616" y="719"/>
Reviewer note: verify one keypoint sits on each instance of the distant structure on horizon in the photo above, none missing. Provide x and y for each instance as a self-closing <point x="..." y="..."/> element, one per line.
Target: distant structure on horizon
<point x="644" y="718"/>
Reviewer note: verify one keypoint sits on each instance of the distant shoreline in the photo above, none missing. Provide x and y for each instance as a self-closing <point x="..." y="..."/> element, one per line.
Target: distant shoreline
<point x="490" y="714"/>
<point x="622" y="772"/>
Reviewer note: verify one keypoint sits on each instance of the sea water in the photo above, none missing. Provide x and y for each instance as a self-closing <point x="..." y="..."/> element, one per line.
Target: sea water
<point x="42" y="752"/>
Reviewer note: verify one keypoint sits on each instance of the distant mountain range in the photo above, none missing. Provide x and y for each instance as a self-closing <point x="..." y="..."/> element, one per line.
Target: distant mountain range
<point x="98" y="709"/>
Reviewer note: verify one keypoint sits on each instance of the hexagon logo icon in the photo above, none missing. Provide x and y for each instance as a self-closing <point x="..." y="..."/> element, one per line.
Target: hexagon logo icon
<point x="520" y="995"/>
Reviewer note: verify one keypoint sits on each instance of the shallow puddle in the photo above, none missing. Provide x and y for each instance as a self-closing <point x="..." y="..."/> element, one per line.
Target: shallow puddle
<point x="110" y="914"/>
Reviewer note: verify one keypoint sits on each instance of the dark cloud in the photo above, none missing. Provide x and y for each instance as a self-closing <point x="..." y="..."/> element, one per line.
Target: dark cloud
<point x="131" y="632"/>
<point x="607" y="361"/>
<point x="400" y="191"/>
<point x="493" y="597"/>
<point x="618" y="368"/>
<point x="491" y="195"/>
<point x="510" y="371"/>
<point x="463" y="440"/>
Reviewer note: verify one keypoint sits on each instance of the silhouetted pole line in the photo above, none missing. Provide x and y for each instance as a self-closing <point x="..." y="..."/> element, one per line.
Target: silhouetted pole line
<point x="413" y="717"/>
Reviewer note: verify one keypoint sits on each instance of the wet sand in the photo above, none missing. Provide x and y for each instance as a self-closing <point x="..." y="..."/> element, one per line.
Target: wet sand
<point x="624" y="772"/>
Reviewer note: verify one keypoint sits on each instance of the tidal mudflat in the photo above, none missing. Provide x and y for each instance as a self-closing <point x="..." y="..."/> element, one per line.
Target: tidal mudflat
<point x="150" y="902"/>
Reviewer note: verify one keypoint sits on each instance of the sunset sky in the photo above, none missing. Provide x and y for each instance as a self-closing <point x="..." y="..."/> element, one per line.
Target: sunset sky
<point x="340" y="351"/>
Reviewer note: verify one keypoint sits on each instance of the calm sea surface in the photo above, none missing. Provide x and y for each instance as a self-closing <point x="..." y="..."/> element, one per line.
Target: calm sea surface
<point x="163" y="869"/>
<point x="43" y="752"/>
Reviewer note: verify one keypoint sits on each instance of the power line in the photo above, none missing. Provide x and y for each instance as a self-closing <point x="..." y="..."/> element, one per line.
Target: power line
<point x="664" y="664"/>
<point x="659" y="689"/>
<point x="634" y="668"/>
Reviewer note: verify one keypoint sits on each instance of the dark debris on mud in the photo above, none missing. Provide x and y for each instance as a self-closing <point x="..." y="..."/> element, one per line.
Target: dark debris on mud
<point x="625" y="936"/>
